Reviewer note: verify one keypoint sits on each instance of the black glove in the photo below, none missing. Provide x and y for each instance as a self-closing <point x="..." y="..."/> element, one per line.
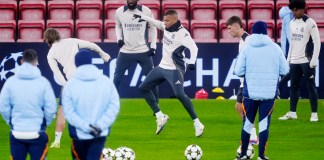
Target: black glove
<point x="191" y="67"/>
<point x="137" y="16"/>
<point x="95" y="132"/>
<point x="120" y="43"/>
<point x="151" y="52"/>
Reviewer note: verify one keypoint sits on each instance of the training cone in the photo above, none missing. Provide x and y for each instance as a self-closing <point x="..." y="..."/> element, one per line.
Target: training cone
<point x="220" y="98"/>
<point x="218" y="90"/>
<point x="201" y="94"/>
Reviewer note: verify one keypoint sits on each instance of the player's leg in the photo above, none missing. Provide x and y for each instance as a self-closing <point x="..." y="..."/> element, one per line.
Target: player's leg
<point x="146" y="62"/>
<point x="38" y="148"/>
<point x="59" y="126"/>
<point x="17" y="148"/>
<point x="79" y="149"/>
<point x="311" y="87"/>
<point x="265" y="112"/>
<point x="154" y="78"/>
<point x="175" y="79"/>
<point x="296" y="75"/>
<point x="95" y="148"/>
<point x="123" y="62"/>
<point x="250" y="108"/>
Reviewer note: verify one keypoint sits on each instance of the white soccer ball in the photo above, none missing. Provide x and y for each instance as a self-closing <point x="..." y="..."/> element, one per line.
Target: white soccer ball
<point x="249" y="152"/>
<point x="108" y="154"/>
<point x="129" y="154"/>
<point x="9" y="64"/>
<point x="119" y="155"/>
<point x="193" y="152"/>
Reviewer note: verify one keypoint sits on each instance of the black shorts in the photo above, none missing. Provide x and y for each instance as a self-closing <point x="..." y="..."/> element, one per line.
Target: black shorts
<point x="239" y="97"/>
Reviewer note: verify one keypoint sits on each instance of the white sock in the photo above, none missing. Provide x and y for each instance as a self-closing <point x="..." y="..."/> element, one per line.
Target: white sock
<point x="253" y="132"/>
<point x="159" y="114"/>
<point x="58" y="136"/>
<point x="314" y="113"/>
<point x="196" y="121"/>
<point x="293" y="113"/>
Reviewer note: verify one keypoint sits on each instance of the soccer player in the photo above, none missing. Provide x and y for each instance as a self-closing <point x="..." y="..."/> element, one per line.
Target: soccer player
<point x="90" y="105"/>
<point x="28" y="105"/>
<point x="62" y="51"/>
<point x="286" y="15"/>
<point x="132" y="38"/>
<point x="235" y="28"/>
<point x="303" y="55"/>
<point x="172" y="67"/>
<point x="260" y="62"/>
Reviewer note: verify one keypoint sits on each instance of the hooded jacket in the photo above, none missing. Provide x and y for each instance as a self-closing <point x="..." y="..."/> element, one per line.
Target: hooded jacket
<point x="286" y="15"/>
<point x="89" y="98"/>
<point x="260" y="62"/>
<point x="27" y="100"/>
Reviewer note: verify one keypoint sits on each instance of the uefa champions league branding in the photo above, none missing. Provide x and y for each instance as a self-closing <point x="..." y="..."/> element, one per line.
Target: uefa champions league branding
<point x="9" y="65"/>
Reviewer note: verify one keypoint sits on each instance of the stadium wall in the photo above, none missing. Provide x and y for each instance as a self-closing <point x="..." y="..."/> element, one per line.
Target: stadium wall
<point x="214" y="69"/>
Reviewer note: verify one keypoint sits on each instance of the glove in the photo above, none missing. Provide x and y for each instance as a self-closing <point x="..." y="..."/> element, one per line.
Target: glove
<point x="313" y="63"/>
<point x="151" y="52"/>
<point x="120" y="43"/>
<point x="137" y="16"/>
<point x="95" y="132"/>
<point x="105" y="56"/>
<point x="191" y="67"/>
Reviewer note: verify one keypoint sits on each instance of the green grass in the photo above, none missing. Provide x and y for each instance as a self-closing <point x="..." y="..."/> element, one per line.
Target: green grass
<point x="135" y="128"/>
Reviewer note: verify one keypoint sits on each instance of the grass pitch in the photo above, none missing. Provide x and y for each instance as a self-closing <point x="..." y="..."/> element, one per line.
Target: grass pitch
<point x="135" y="128"/>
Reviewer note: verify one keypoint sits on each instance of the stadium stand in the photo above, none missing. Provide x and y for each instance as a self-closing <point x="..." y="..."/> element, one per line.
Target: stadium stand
<point x="89" y="10"/>
<point x="8" y="10"/>
<point x="153" y="5"/>
<point x="30" y="30"/>
<point x="279" y="5"/>
<point x="204" y="30"/>
<point x="60" y="10"/>
<point x="7" y="30"/>
<point x="230" y="8"/>
<point x="65" y="27"/>
<point x="110" y="34"/>
<point x="32" y="10"/>
<point x="203" y="10"/>
<point x="315" y="9"/>
<point x="261" y="10"/>
<point x="182" y="7"/>
<point x="110" y="8"/>
<point x="90" y="30"/>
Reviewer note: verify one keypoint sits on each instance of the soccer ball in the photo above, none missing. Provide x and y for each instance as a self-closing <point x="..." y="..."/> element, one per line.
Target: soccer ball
<point x="193" y="152"/>
<point x="9" y="64"/>
<point x="129" y="154"/>
<point x="119" y="154"/>
<point x="249" y="152"/>
<point x="108" y="154"/>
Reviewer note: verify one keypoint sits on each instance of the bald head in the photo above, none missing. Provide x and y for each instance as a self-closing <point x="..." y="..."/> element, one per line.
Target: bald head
<point x="170" y="18"/>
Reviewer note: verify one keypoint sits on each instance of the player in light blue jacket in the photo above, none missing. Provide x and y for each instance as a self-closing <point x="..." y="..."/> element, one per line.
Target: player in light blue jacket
<point x="28" y="105"/>
<point x="260" y="62"/>
<point x="90" y="105"/>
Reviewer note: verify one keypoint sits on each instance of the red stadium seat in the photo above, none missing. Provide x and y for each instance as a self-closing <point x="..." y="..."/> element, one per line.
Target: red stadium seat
<point x="204" y="31"/>
<point x="315" y="9"/>
<point x="110" y="31"/>
<point x="89" y="10"/>
<point x="231" y="8"/>
<point x="260" y="10"/>
<point x="60" y="10"/>
<point x="185" y="24"/>
<point x="90" y="30"/>
<point x="270" y="27"/>
<point x="203" y="10"/>
<point x="111" y="7"/>
<point x="8" y="10"/>
<point x="30" y="31"/>
<point x="182" y="7"/>
<point x="65" y="27"/>
<point x="279" y="28"/>
<point x="7" y="31"/>
<point x="225" y="37"/>
<point x="153" y="5"/>
<point x="320" y="25"/>
<point x="279" y="5"/>
<point x="32" y="10"/>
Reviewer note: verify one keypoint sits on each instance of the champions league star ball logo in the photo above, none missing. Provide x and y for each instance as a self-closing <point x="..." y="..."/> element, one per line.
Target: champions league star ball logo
<point x="9" y="65"/>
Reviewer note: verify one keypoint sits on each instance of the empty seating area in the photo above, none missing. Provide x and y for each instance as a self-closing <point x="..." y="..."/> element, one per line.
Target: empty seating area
<point x="94" y="20"/>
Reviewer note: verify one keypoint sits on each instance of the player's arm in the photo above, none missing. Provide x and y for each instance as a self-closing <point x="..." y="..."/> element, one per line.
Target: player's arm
<point x="240" y="65"/>
<point x="316" y="41"/>
<point x="50" y="105"/>
<point x="153" y="33"/>
<point x="119" y="31"/>
<point x="5" y="108"/>
<point x="89" y="45"/>
<point x="189" y="43"/>
<point x="56" y="70"/>
<point x="158" y="24"/>
<point x="291" y="43"/>
<point x="283" y="65"/>
<point x="70" y="113"/>
<point x="112" y="109"/>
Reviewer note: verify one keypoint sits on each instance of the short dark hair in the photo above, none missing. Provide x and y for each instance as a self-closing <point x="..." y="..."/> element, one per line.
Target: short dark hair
<point x="234" y="19"/>
<point x="52" y="35"/>
<point x="170" y="12"/>
<point x="29" y="55"/>
<point x="298" y="4"/>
